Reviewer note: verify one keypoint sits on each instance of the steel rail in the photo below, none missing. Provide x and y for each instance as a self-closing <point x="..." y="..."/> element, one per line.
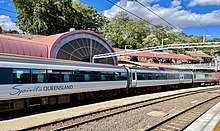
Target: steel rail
<point x="166" y="121"/>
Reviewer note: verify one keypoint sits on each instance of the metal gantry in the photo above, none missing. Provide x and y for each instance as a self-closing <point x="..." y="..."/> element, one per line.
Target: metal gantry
<point x="157" y="48"/>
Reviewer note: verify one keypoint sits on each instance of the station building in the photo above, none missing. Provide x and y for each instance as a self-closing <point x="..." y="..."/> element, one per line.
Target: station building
<point x="77" y="45"/>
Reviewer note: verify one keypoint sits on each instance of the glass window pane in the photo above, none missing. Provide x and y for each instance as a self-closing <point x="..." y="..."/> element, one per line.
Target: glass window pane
<point x="66" y="76"/>
<point x="38" y="76"/>
<point x="54" y="76"/>
<point x="21" y="76"/>
<point x="78" y="76"/>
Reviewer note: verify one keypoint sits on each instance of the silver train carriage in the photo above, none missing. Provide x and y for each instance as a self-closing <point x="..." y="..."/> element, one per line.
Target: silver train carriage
<point x="22" y="79"/>
<point x="144" y="77"/>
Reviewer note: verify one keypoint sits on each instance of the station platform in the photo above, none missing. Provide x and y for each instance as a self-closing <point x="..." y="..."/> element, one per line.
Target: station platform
<point x="210" y="121"/>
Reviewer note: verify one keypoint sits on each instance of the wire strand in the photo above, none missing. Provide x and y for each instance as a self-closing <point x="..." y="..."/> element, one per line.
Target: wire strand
<point x="195" y="18"/>
<point x="157" y="15"/>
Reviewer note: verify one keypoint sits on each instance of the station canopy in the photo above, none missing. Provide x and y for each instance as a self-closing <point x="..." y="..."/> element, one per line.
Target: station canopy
<point x="199" y="54"/>
<point x="160" y="55"/>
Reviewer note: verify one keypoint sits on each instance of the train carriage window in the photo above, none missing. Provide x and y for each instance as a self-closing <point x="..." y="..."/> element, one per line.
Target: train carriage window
<point x="81" y="76"/>
<point x="111" y="76"/>
<point x="21" y="76"/>
<point x="163" y="76"/>
<point x="141" y="76"/>
<point x="103" y="77"/>
<point x="87" y="76"/>
<point x="54" y="76"/>
<point x="169" y="76"/>
<point x="78" y="76"/>
<point x="149" y="76"/>
<point x="66" y="76"/>
<point x="38" y="76"/>
<point x="95" y="76"/>
<point x="187" y="76"/>
<point x="157" y="76"/>
<point x="122" y="76"/>
<point x="116" y="75"/>
<point x="5" y="76"/>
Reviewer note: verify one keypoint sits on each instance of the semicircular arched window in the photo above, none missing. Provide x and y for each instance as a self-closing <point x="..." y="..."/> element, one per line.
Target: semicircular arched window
<point x="82" y="49"/>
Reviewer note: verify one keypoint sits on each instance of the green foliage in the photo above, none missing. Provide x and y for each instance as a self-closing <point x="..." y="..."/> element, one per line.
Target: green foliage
<point x="48" y="17"/>
<point x="10" y="31"/>
<point x="123" y="30"/>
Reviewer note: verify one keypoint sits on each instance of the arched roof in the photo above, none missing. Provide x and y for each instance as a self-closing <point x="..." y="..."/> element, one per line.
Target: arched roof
<point x="20" y="46"/>
<point x="56" y="45"/>
<point x="80" y="45"/>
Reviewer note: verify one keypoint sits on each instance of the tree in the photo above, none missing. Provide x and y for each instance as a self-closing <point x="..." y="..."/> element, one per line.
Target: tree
<point x="10" y="31"/>
<point x="89" y="17"/>
<point x="55" y="16"/>
<point x="151" y="41"/>
<point x="123" y="30"/>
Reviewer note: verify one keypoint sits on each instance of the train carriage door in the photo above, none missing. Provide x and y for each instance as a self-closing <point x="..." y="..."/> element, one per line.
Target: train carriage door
<point x="133" y="77"/>
<point x="181" y="77"/>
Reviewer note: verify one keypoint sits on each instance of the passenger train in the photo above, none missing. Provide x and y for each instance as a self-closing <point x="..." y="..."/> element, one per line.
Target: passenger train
<point x="27" y="82"/>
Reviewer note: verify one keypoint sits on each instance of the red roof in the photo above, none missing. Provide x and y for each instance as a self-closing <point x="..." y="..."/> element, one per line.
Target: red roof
<point x="20" y="46"/>
<point x="174" y="56"/>
<point x="38" y="47"/>
<point x="159" y="55"/>
<point x="148" y="64"/>
<point x="144" y="54"/>
<point x="52" y="40"/>
<point x="199" y="54"/>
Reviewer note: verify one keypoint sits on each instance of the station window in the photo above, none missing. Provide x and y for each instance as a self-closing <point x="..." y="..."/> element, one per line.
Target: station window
<point x="38" y="76"/>
<point x="21" y="76"/>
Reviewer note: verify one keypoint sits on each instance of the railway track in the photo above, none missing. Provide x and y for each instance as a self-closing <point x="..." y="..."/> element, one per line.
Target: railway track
<point x="183" y="119"/>
<point x="94" y="116"/>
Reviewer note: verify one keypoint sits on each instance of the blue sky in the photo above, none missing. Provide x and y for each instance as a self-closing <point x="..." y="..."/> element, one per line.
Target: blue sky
<point x="207" y="12"/>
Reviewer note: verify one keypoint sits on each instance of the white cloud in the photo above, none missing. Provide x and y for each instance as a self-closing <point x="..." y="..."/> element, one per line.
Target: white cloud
<point x="6" y="23"/>
<point x="173" y="14"/>
<point x="204" y="2"/>
<point x="175" y="3"/>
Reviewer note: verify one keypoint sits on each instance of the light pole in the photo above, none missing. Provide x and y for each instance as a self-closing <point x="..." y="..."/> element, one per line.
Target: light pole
<point x="126" y="47"/>
<point x="163" y="40"/>
<point x="204" y="37"/>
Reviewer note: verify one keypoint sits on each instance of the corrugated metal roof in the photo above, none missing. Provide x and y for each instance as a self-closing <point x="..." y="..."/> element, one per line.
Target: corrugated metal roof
<point x="160" y="55"/>
<point x="199" y="54"/>
<point x="20" y="46"/>
<point x="174" y="56"/>
<point x="52" y="40"/>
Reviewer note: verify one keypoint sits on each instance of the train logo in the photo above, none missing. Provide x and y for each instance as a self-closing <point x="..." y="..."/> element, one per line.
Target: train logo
<point x="20" y="88"/>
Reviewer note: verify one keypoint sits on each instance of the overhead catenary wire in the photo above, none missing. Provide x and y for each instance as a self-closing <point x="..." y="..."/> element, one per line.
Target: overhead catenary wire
<point x="195" y="18"/>
<point x="8" y="10"/>
<point x="163" y="29"/>
<point x="157" y="15"/>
